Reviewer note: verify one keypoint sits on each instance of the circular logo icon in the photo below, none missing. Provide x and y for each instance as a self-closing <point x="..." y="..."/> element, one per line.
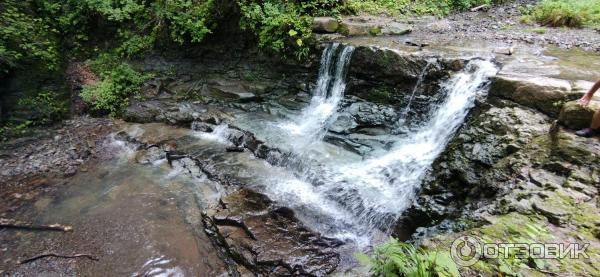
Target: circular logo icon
<point x="466" y="250"/>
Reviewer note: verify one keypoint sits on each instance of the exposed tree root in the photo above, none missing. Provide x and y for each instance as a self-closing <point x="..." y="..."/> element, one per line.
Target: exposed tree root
<point x="11" y="223"/>
<point x="58" y="256"/>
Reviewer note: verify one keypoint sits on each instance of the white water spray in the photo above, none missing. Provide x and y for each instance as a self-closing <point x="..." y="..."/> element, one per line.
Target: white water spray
<point x="311" y="124"/>
<point x="357" y="199"/>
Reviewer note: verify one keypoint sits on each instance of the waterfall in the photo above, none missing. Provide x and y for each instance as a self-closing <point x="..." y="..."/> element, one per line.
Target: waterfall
<point x="352" y="201"/>
<point x="311" y="124"/>
<point x="379" y="189"/>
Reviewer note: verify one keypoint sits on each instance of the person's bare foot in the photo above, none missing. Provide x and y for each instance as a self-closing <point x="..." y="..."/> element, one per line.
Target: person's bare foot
<point x="588" y="132"/>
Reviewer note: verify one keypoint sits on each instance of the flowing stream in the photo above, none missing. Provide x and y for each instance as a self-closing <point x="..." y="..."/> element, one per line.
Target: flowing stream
<point x="333" y="191"/>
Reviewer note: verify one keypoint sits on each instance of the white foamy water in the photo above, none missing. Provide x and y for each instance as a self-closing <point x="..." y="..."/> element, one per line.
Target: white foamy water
<point x="219" y="134"/>
<point x="367" y="196"/>
<point x="311" y="124"/>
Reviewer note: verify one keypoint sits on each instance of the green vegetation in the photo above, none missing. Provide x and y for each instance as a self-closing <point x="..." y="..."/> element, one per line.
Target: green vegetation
<point x="118" y="82"/>
<point x="25" y="38"/>
<point x="569" y="13"/>
<point x="280" y="26"/>
<point x="395" y="258"/>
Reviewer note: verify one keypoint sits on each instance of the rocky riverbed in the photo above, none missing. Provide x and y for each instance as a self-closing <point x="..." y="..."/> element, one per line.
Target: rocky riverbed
<point x="205" y="177"/>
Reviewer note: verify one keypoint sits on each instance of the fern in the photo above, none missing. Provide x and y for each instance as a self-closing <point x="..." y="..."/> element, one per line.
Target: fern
<point x="395" y="258"/>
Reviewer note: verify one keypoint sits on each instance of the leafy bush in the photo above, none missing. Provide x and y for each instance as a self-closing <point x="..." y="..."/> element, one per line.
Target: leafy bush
<point x="395" y="258"/>
<point x="280" y="26"/>
<point x="118" y="82"/>
<point x="572" y="13"/>
<point x="141" y="24"/>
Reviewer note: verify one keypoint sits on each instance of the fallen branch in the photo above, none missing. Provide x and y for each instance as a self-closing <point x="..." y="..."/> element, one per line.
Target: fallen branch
<point x="478" y="8"/>
<point x="11" y="223"/>
<point x="58" y="256"/>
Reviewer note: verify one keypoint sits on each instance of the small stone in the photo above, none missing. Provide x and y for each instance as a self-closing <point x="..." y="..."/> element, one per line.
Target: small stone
<point x="70" y="172"/>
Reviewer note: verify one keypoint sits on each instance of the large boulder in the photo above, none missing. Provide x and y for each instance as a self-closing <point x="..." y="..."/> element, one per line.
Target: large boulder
<point x="477" y="164"/>
<point x="388" y="66"/>
<point x="542" y="93"/>
<point x="325" y="25"/>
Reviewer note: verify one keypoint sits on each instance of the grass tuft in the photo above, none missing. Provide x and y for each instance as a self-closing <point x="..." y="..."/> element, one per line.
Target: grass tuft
<point x="567" y="13"/>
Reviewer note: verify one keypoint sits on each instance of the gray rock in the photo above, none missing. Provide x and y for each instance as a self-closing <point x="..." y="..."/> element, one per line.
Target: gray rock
<point x="325" y="25"/>
<point x="542" y="93"/>
<point x="269" y="240"/>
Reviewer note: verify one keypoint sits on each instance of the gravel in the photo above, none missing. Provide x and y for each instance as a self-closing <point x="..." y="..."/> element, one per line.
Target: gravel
<point x="501" y="24"/>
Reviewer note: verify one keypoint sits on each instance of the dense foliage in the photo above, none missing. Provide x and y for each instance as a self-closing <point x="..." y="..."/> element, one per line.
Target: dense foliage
<point x="395" y="258"/>
<point x="45" y="31"/>
<point x="24" y="37"/>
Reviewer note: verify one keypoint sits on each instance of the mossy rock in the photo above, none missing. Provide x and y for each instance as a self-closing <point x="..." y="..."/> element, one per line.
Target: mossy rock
<point x="575" y="116"/>
<point x="375" y="31"/>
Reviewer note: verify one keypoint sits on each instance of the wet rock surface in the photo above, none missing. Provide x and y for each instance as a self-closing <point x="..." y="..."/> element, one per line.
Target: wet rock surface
<point x="269" y="240"/>
<point x="511" y="169"/>
<point x="252" y="233"/>
<point x="32" y="165"/>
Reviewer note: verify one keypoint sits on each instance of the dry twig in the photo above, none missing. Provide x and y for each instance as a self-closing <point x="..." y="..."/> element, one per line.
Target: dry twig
<point x="11" y="223"/>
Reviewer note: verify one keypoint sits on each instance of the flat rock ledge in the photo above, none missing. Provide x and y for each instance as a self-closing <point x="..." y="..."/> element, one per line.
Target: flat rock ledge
<point x="360" y="26"/>
<point x="554" y="97"/>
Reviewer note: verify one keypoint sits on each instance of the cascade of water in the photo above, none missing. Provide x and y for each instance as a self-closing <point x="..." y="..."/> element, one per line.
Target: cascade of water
<point x="356" y="199"/>
<point x="353" y="201"/>
<point x="311" y="124"/>
<point x="379" y="189"/>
